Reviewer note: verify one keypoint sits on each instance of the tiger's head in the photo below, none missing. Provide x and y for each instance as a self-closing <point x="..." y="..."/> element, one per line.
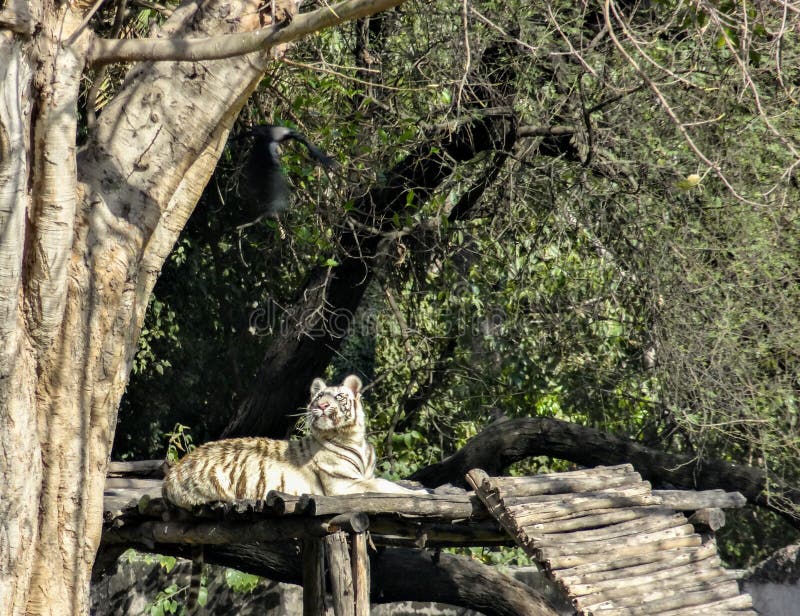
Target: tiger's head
<point x="336" y="407"/>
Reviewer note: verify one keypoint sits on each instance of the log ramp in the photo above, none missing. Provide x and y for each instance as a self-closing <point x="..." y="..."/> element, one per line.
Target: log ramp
<point x="613" y="546"/>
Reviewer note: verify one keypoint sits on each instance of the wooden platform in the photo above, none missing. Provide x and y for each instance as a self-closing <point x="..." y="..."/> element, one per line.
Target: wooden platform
<point x="614" y="546"/>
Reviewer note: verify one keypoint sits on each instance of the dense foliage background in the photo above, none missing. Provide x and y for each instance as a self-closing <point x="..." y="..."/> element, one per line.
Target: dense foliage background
<point x="630" y="262"/>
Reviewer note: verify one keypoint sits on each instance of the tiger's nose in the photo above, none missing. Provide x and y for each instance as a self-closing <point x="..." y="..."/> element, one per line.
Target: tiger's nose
<point x="323" y="405"/>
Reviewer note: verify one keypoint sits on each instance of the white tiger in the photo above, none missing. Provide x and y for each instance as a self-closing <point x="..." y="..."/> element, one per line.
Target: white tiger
<point x="334" y="458"/>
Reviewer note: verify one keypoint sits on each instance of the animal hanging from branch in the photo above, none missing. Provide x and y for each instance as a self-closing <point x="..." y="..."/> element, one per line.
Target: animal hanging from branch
<point x="263" y="185"/>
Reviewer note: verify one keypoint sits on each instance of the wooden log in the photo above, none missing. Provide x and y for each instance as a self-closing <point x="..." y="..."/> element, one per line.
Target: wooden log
<point x="658" y="584"/>
<point x="581" y="571"/>
<point x="340" y="574"/>
<point x="637" y="527"/>
<point x="482" y="484"/>
<point x="690" y="500"/>
<point x="290" y="504"/>
<point x="361" y="573"/>
<point x="578" y="578"/>
<point x="216" y="533"/>
<point x="708" y="519"/>
<point x="558" y="561"/>
<point x="313" y="577"/>
<point x="135" y="483"/>
<point x="740" y="605"/>
<point x="348" y="522"/>
<point x="529" y="486"/>
<point x="557" y="483"/>
<point x="690" y="596"/>
<point x="444" y="506"/>
<point x="612" y="547"/>
<point x="138" y="468"/>
<point x="511" y="499"/>
<point x="390" y="530"/>
<point x="578" y="520"/>
<point x="525" y="514"/>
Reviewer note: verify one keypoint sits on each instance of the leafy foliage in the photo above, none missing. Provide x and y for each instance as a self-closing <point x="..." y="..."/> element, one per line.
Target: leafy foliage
<point x="633" y="266"/>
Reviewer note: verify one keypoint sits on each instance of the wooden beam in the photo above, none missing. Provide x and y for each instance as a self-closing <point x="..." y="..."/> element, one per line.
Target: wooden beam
<point x="218" y="533"/>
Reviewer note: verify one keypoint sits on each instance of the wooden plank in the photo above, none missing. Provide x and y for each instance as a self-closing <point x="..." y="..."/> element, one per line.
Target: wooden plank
<point x="361" y="581"/>
<point x="340" y="574"/>
<point x="313" y="577"/>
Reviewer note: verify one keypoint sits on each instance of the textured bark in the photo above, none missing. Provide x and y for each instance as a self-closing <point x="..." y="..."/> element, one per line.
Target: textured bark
<point x="83" y="235"/>
<point x="507" y="441"/>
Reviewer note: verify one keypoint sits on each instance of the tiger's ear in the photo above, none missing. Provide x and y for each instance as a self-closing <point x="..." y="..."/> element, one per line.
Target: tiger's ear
<point x="317" y="385"/>
<point x="353" y="383"/>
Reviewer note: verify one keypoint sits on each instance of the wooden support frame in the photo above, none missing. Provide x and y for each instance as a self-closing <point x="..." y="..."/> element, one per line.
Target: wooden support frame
<point x="313" y="577"/>
<point x="348" y="567"/>
<point x="340" y="573"/>
<point x="361" y="581"/>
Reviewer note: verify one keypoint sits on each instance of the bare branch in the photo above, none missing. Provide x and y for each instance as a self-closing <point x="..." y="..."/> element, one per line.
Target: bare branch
<point x="106" y="51"/>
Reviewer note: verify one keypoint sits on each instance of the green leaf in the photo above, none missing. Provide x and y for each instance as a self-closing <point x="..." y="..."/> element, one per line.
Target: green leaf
<point x="202" y="596"/>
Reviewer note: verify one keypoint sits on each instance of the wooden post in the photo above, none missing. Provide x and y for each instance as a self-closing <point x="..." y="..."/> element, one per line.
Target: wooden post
<point x="341" y="576"/>
<point x="313" y="577"/>
<point x="360" y="560"/>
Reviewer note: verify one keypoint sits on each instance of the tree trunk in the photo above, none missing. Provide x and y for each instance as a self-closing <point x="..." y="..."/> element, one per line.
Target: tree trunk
<point x="83" y="235"/>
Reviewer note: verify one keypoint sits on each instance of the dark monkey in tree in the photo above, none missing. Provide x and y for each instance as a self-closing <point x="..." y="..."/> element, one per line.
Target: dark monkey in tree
<point x="263" y="185"/>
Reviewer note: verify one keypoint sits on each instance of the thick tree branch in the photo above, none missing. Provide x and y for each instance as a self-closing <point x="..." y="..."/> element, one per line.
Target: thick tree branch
<point x="105" y="51"/>
<point x="397" y="574"/>
<point x="507" y="441"/>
